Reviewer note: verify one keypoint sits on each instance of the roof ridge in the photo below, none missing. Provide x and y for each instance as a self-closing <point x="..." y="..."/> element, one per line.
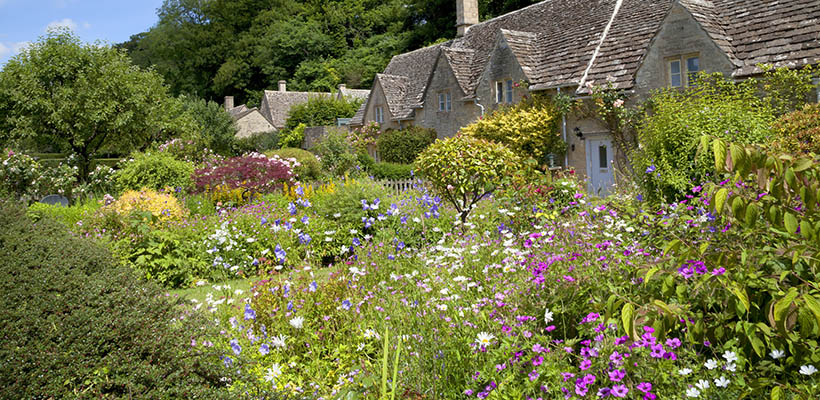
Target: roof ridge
<point x="618" y="4"/>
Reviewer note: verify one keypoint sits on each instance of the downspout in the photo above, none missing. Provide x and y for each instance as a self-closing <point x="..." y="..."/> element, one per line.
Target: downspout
<point x="564" y="134"/>
<point x="475" y="100"/>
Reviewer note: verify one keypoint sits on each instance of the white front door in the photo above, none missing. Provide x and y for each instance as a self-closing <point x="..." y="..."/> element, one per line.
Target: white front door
<point x="600" y="158"/>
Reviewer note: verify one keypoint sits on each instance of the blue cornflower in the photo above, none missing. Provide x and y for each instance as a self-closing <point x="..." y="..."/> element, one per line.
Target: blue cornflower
<point x="292" y="208"/>
<point x="365" y="207"/>
<point x="650" y="169"/>
<point x="304" y="238"/>
<point x="236" y="347"/>
<point x="280" y="254"/>
<point x="356" y="242"/>
<point x="313" y="286"/>
<point x="305" y="220"/>
<point x="300" y="191"/>
<point x="264" y="349"/>
<point x="264" y="221"/>
<point x="346" y="304"/>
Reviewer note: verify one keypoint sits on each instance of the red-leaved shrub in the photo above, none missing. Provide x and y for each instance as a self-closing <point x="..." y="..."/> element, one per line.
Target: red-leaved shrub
<point x="254" y="172"/>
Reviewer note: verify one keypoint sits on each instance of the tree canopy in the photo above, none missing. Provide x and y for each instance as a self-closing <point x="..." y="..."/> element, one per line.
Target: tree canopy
<point x="240" y="47"/>
<point x="84" y="99"/>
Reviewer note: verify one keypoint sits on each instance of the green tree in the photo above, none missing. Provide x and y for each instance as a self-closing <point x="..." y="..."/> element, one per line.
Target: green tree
<point x="84" y="98"/>
<point x="216" y="129"/>
<point x="321" y="110"/>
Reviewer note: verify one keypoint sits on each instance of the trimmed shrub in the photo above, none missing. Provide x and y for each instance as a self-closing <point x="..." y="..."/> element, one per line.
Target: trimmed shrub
<point x="391" y="171"/>
<point x="258" y="143"/>
<point x="799" y="131"/>
<point x="162" y="206"/>
<point x="74" y="325"/>
<point x="403" y="146"/>
<point x="308" y="169"/>
<point x="336" y="153"/>
<point x="154" y="171"/>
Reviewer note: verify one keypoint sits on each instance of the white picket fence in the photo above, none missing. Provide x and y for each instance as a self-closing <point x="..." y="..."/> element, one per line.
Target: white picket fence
<point x="401" y="185"/>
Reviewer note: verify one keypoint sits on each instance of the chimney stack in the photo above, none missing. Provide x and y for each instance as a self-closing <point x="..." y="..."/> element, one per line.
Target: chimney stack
<point x="228" y="102"/>
<point x="283" y="86"/>
<point x="466" y="15"/>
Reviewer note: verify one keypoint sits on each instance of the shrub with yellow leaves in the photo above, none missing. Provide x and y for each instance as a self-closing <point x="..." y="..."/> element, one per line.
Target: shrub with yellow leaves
<point x="530" y="129"/>
<point x="163" y="206"/>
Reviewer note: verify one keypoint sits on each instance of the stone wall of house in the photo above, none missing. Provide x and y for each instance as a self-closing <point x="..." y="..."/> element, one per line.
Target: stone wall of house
<point x="502" y="66"/>
<point x="377" y="99"/>
<point x="679" y="35"/>
<point x="446" y="123"/>
<point x="252" y="124"/>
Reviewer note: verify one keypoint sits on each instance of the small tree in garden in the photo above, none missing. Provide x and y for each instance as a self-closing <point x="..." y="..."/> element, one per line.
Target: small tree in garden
<point x="83" y="99"/>
<point x="465" y="169"/>
<point x="530" y="128"/>
<point x="403" y="146"/>
<point x="255" y="173"/>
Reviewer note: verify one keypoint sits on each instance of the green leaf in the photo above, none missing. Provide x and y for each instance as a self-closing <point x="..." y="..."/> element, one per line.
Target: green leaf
<point x="649" y="274"/>
<point x="720" y="199"/>
<point x="742" y="296"/>
<point x="752" y="212"/>
<point x="790" y="222"/>
<point x="791" y="178"/>
<point x="738" y="157"/>
<point x="802" y="164"/>
<point x="813" y="305"/>
<point x="777" y="393"/>
<point x="806" y="230"/>
<point x="781" y="308"/>
<point x="719" y="150"/>
<point x="673" y="245"/>
<point x="738" y="207"/>
<point x="703" y="247"/>
<point x="628" y="319"/>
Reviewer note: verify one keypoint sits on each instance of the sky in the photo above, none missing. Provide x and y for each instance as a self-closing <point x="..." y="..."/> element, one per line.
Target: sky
<point x="111" y="21"/>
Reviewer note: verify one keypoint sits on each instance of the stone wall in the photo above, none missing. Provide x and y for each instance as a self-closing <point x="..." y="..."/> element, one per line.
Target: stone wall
<point x="502" y="66"/>
<point x="377" y="99"/>
<point x="446" y="123"/>
<point x="252" y="124"/>
<point x="313" y="134"/>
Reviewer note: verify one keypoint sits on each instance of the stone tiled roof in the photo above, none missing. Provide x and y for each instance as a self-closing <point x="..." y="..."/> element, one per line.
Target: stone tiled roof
<point x="410" y="74"/>
<point x="566" y="42"/>
<point x="279" y="104"/>
<point x="781" y="33"/>
<point x="355" y="93"/>
<point x="358" y="118"/>
<point x="626" y="43"/>
<point x="237" y="110"/>
<point x="397" y="91"/>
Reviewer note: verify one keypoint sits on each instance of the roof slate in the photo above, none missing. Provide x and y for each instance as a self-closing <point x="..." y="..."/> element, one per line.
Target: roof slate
<point x="355" y="93"/>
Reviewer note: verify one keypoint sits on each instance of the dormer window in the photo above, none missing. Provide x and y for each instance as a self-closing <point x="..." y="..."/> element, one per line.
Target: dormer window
<point x="445" y="102"/>
<point x="504" y="91"/>
<point x="682" y="70"/>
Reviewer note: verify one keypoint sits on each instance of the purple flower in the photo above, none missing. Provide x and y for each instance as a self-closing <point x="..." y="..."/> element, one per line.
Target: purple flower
<point x="235" y="346"/>
<point x="585" y="364"/>
<point x="604" y="392"/>
<point x="650" y="169"/>
<point x="673" y="343"/>
<point x="264" y="349"/>
<point x="537" y="348"/>
<point x="588" y="379"/>
<point x="645" y="387"/>
<point x="616" y="375"/>
<point x="249" y="313"/>
<point x="581" y="389"/>
<point x="533" y="375"/>
<point x="538" y="361"/>
<point x="718" y="271"/>
<point x="657" y="351"/>
<point x="619" y="390"/>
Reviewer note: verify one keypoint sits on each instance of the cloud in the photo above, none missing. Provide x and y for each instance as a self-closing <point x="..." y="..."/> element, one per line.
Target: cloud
<point x="4" y="51"/>
<point x="63" y="23"/>
<point x="20" y="46"/>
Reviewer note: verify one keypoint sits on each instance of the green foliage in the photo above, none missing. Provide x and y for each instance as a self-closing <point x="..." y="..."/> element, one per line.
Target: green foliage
<point x="403" y="146"/>
<point x="391" y="171"/>
<point x="798" y="132"/>
<point x="168" y="257"/>
<point x="259" y="143"/>
<point x="155" y="171"/>
<point x="321" y="111"/>
<point x="70" y="216"/>
<point x="215" y="127"/>
<point x="667" y="161"/>
<point x="336" y="152"/>
<point x="787" y="89"/>
<point x="530" y="128"/>
<point x="344" y="205"/>
<point x="99" y="332"/>
<point x="84" y="99"/>
<point x="465" y="169"/>
<point x="292" y="137"/>
<point x="309" y="169"/>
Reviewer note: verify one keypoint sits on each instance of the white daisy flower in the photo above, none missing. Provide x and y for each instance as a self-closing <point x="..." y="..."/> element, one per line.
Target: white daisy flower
<point x="722" y="382"/>
<point x="297" y="322"/>
<point x="808" y="369"/>
<point x="484" y="339"/>
<point x="776" y="354"/>
<point x="274" y="372"/>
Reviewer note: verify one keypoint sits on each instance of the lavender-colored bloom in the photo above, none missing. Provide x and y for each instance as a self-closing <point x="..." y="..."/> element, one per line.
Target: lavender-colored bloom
<point x="292" y="208"/>
<point x="619" y="390"/>
<point x="304" y="238"/>
<point x="346" y="304"/>
<point x="264" y="349"/>
<point x="604" y="392"/>
<point x="616" y="375"/>
<point x="313" y="286"/>
<point x="718" y="271"/>
<point x="673" y="343"/>
<point x="249" y="312"/>
<point x="650" y="169"/>
<point x="263" y="220"/>
<point x="227" y="361"/>
<point x="235" y="346"/>
<point x="645" y="387"/>
<point x="279" y="253"/>
<point x="533" y="375"/>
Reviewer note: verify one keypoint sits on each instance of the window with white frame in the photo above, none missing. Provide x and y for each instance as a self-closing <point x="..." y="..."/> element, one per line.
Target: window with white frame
<point x="380" y="114"/>
<point x="504" y="91"/>
<point x="445" y="102"/>
<point x="682" y="71"/>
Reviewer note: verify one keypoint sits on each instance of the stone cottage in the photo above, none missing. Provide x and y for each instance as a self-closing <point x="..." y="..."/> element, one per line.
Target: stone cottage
<point x="277" y="104"/>
<point x="564" y="45"/>
<point x="249" y="121"/>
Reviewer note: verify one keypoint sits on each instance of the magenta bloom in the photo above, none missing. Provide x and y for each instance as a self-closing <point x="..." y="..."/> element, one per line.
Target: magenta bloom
<point x="585" y="364"/>
<point x="581" y="390"/>
<point x="533" y="375"/>
<point x="619" y="390"/>
<point x="673" y="343"/>
<point x="616" y="376"/>
<point x="719" y="271"/>
<point x="645" y="387"/>
<point x="537" y="361"/>
<point x="588" y="379"/>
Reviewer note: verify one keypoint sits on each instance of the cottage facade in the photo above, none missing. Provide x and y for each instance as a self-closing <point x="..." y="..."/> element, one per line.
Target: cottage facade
<point x="249" y="121"/>
<point x="564" y="45"/>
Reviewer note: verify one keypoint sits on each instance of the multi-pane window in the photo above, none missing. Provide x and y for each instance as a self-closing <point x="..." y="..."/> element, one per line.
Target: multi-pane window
<point x="504" y="91"/>
<point x="682" y="71"/>
<point x="445" y="102"/>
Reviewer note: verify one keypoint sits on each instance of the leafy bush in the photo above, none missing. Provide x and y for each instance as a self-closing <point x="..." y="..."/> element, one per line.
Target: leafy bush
<point x="336" y="153"/>
<point x="19" y="174"/>
<point x="403" y="146"/>
<point x="391" y="171"/>
<point x="530" y="129"/>
<point x="308" y="169"/>
<point x="258" y="143"/>
<point x="667" y="161"/>
<point x="254" y="172"/>
<point x="215" y="127"/>
<point x="76" y="325"/>
<point x="292" y="137"/>
<point x="465" y="169"/>
<point x="187" y="150"/>
<point x="70" y="216"/>
<point x="345" y="203"/>
<point x="162" y="206"/>
<point x="321" y="111"/>
<point x="154" y="171"/>
<point x="798" y="132"/>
